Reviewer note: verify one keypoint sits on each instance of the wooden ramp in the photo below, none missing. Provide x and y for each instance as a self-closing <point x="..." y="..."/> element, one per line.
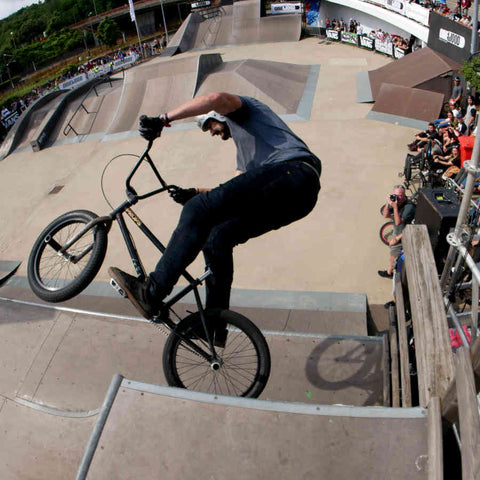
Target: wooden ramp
<point x="159" y="432"/>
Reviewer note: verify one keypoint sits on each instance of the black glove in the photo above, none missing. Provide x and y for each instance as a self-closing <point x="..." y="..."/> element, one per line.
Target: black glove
<point x="150" y="128"/>
<point x="182" y="195"/>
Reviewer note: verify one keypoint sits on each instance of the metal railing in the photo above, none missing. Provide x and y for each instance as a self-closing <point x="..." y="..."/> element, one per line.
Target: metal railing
<point x="69" y="127"/>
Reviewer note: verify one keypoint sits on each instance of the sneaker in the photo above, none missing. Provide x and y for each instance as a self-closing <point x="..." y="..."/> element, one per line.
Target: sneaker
<point x="385" y="274"/>
<point x="389" y="304"/>
<point x="136" y="291"/>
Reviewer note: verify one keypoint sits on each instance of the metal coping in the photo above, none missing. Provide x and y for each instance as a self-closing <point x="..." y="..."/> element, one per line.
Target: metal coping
<point x="325" y="336"/>
<point x="276" y="406"/>
<point x="271" y="299"/>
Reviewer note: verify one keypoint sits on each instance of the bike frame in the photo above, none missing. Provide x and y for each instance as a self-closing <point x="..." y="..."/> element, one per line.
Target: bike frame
<point x="118" y="215"/>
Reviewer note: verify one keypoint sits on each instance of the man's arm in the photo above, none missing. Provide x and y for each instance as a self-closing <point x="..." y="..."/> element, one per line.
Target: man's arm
<point x="221" y="102"/>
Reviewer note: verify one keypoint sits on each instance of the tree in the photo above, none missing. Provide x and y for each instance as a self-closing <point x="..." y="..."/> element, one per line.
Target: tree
<point x="471" y="72"/>
<point x="108" y="32"/>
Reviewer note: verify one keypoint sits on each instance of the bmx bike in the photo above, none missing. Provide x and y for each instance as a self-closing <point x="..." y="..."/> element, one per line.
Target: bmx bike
<point x="216" y="351"/>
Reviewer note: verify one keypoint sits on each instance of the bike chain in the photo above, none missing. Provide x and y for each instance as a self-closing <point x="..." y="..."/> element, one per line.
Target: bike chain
<point x="160" y="326"/>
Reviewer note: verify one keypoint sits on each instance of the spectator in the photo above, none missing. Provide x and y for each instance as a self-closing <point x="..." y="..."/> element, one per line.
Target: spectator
<point x="5" y="112"/>
<point x="470" y="114"/>
<point x="422" y="138"/>
<point x="457" y="91"/>
<point x="450" y="121"/>
<point x="402" y="211"/>
<point x="443" y="162"/>
<point x="461" y="128"/>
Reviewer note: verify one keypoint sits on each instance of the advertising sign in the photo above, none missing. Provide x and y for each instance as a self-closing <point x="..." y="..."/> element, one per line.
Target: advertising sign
<point x="449" y="37"/>
<point x="366" y="42"/>
<point x="384" y="47"/>
<point x="277" y="8"/>
<point x="351" y="38"/>
<point x="311" y="8"/>
<point x="418" y="13"/>
<point x="398" y="52"/>
<point x="73" y="82"/>
<point x="396" y="5"/>
<point x="7" y="122"/>
<point x="333" y="34"/>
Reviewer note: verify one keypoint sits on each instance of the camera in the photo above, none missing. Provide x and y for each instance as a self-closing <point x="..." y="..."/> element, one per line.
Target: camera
<point x="393" y="197"/>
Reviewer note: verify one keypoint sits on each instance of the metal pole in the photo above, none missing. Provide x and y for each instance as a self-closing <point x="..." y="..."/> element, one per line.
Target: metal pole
<point x="165" y="22"/>
<point x="464" y="207"/>
<point x="473" y="46"/>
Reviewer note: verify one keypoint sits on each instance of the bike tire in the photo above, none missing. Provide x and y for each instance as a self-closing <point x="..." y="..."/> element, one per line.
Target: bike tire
<point x="55" y="278"/>
<point x="245" y="358"/>
<point x="386" y="232"/>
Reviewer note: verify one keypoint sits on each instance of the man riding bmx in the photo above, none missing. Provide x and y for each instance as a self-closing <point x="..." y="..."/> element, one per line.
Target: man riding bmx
<point x="276" y="182"/>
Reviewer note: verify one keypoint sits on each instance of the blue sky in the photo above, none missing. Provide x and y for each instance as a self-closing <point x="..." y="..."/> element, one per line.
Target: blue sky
<point x="7" y="7"/>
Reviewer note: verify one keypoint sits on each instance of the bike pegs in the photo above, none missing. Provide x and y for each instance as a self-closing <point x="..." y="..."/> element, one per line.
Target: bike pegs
<point x="117" y="288"/>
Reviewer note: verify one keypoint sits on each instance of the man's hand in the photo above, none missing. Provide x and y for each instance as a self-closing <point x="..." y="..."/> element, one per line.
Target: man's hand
<point x="393" y="241"/>
<point x="150" y="128"/>
<point x="183" y="195"/>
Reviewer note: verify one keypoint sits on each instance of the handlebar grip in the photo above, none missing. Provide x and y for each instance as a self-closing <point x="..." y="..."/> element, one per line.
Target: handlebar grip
<point x="142" y="120"/>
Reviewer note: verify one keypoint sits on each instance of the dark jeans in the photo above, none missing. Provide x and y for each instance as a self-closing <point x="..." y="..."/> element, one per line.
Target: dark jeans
<point x="253" y="203"/>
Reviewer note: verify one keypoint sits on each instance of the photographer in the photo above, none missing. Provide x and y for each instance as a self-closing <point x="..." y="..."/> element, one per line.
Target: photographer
<point x="402" y="211"/>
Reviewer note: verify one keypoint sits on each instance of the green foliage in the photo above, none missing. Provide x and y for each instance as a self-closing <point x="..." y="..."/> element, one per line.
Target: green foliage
<point x="470" y="71"/>
<point x="108" y="32"/>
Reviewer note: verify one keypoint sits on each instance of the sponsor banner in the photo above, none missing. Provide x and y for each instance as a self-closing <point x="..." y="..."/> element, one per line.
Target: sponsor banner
<point x="7" y="122"/>
<point x="73" y="82"/>
<point x="348" y="37"/>
<point x="333" y="34"/>
<point x="398" y="52"/>
<point x="366" y="42"/>
<point x="378" y="2"/>
<point x="449" y="38"/>
<point x="132" y="10"/>
<point x="452" y="38"/>
<point x="277" y="8"/>
<point x="312" y="8"/>
<point x="122" y="62"/>
<point x="418" y="13"/>
<point x="205" y="3"/>
<point x="384" y="47"/>
<point x="395" y="5"/>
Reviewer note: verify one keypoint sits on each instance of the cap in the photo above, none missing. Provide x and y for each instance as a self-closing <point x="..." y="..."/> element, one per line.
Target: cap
<point x="459" y="115"/>
<point x="202" y="119"/>
<point x="456" y="78"/>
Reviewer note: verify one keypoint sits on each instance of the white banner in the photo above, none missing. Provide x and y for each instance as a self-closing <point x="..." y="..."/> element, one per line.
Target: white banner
<point x="333" y="34"/>
<point x="132" y="10"/>
<point x="384" y="47"/>
<point x="398" y="52"/>
<point x="396" y="5"/>
<point x="122" y="62"/>
<point x="452" y="38"/>
<point x="378" y="2"/>
<point x="73" y="82"/>
<point x="418" y="13"/>
<point x="7" y="122"/>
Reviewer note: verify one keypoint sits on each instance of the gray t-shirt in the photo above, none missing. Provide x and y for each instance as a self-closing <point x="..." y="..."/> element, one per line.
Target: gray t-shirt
<point x="262" y="137"/>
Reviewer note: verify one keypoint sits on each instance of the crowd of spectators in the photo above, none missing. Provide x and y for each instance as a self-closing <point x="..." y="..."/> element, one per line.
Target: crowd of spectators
<point x="353" y="26"/>
<point x="436" y="152"/>
<point x="10" y="112"/>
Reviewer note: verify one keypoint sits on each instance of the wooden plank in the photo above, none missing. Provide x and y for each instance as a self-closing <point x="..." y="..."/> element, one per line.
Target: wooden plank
<point x="394" y="366"/>
<point x="432" y="342"/>
<point x="403" y="346"/>
<point x="435" y="443"/>
<point x="387" y="398"/>
<point x="468" y="414"/>
<point x="450" y="401"/>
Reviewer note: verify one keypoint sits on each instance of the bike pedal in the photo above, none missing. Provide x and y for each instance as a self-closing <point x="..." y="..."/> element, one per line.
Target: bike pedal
<point x="117" y="288"/>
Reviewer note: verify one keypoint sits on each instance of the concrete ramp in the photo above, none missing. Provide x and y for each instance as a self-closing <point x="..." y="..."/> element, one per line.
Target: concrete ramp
<point x="235" y="24"/>
<point x="158" y="432"/>
<point x="423" y="69"/>
<point x="411" y="107"/>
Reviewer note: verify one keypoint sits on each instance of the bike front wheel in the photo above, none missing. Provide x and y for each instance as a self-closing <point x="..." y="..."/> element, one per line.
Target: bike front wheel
<point x="55" y="276"/>
<point x="243" y="364"/>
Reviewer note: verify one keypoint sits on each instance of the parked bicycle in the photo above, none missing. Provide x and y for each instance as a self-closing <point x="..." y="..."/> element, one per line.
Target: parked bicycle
<point x="216" y="351"/>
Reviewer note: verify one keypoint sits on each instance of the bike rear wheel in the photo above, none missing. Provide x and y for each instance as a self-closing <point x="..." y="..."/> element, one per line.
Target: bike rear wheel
<point x="386" y="232"/>
<point x="56" y="277"/>
<point x="243" y="365"/>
